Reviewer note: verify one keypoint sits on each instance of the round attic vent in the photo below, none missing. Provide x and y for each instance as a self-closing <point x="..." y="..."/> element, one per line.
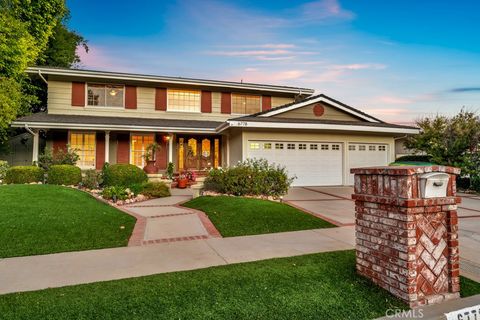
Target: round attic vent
<point x="318" y="110"/>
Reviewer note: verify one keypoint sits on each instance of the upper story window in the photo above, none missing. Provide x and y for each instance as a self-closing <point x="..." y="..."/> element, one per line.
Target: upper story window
<point x="245" y="104"/>
<point x="183" y="100"/>
<point x="105" y="95"/>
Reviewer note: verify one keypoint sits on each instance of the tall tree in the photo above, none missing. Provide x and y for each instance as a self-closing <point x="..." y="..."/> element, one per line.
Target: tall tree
<point x="25" y="29"/>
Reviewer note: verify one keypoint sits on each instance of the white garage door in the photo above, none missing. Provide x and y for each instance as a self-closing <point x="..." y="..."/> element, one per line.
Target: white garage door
<point x="313" y="163"/>
<point x="366" y="155"/>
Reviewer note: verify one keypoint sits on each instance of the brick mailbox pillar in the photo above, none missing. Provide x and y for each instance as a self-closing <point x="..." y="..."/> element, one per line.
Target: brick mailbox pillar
<point x="406" y="239"/>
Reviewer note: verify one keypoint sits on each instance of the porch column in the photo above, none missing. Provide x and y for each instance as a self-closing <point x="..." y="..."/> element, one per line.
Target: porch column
<point x="35" y="146"/>
<point x="107" y="146"/>
<point x="170" y="148"/>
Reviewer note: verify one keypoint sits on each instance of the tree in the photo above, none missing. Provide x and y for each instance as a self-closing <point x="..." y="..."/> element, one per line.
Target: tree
<point x="25" y="28"/>
<point x="450" y="141"/>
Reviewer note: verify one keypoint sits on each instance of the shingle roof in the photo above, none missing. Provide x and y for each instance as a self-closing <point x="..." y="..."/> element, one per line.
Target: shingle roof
<point x="313" y="98"/>
<point x="43" y="117"/>
<point x="322" y="121"/>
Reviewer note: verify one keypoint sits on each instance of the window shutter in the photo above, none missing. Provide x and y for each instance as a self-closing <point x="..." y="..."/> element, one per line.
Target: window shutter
<point x="123" y="148"/>
<point x="161" y="99"/>
<point x="99" y="150"/>
<point x="130" y="97"/>
<point x="266" y="103"/>
<point x="78" y="94"/>
<point x="226" y="104"/>
<point x="206" y="102"/>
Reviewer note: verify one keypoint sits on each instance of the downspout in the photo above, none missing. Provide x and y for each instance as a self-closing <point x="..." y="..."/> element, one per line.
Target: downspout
<point x="42" y="77"/>
<point x="29" y="130"/>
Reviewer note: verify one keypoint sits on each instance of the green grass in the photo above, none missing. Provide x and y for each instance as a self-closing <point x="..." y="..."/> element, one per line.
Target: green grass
<point x="468" y="287"/>
<point x="41" y="219"/>
<point x="236" y="216"/>
<point x="318" y="286"/>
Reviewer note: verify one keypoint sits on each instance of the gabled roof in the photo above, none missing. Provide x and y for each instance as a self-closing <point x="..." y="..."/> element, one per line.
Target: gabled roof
<point x="313" y="99"/>
<point x="153" y="79"/>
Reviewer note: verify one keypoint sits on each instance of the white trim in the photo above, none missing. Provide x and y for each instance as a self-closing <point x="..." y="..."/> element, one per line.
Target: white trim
<point x="49" y="125"/>
<point x="107" y="146"/>
<point x="318" y="99"/>
<point x="168" y="80"/>
<point x="184" y="111"/>
<point x="317" y="126"/>
<point x="130" y="150"/>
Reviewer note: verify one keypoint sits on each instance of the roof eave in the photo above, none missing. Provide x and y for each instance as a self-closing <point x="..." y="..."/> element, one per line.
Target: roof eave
<point x="169" y="80"/>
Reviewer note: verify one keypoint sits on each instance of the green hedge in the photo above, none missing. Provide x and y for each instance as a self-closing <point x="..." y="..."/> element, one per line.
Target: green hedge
<point x="155" y="190"/>
<point x="24" y="174"/>
<point x="251" y="177"/>
<point x="123" y="175"/>
<point x="65" y="174"/>
<point x="419" y="158"/>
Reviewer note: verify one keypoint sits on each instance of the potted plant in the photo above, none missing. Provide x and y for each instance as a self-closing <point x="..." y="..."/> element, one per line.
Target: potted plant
<point x="182" y="181"/>
<point x="149" y="157"/>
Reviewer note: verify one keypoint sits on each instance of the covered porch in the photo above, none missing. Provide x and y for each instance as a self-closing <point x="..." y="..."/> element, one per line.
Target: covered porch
<point x="193" y="146"/>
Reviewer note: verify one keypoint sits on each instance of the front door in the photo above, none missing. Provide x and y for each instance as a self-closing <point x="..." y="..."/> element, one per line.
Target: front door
<point x="198" y="152"/>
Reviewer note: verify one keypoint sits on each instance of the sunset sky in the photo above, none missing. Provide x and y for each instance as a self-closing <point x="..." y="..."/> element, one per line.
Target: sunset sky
<point x="397" y="60"/>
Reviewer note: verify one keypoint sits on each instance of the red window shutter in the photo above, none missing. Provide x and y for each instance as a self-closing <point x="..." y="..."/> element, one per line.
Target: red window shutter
<point x="266" y="103"/>
<point x="161" y="99"/>
<point x="100" y="150"/>
<point x="161" y="158"/>
<point x="206" y="102"/>
<point x="123" y="148"/>
<point x="226" y="104"/>
<point x="78" y="94"/>
<point x="130" y="97"/>
<point x="60" y="141"/>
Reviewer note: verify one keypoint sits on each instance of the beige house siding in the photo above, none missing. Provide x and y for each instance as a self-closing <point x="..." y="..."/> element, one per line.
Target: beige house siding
<point x="343" y="138"/>
<point x="60" y="93"/>
<point x="235" y="147"/>
<point x="330" y="113"/>
<point x="280" y="101"/>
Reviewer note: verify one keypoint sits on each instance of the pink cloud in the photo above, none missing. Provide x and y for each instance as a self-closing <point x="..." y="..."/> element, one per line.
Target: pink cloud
<point x="359" y="66"/>
<point x="318" y="11"/>
<point x="260" y="76"/>
<point x="246" y="53"/>
<point x="392" y="100"/>
<point x="386" y="111"/>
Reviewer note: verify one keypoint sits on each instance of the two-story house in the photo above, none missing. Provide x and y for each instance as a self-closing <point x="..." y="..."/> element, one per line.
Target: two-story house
<point x="201" y="124"/>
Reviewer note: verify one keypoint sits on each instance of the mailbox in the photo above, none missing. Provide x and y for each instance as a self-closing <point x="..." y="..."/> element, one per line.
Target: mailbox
<point x="434" y="184"/>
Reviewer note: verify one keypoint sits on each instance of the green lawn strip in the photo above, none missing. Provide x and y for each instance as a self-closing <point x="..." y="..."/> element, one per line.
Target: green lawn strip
<point x="317" y="286"/>
<point x="468" y="287"/>
<point x="237" y="216"/>
<point x="41" y="219"/>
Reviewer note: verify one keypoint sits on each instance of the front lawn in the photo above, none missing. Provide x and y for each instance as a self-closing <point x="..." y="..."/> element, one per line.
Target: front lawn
<point x="318" y="286"/>
<point x="237" y="216"/>
<point x="41" y="219"/>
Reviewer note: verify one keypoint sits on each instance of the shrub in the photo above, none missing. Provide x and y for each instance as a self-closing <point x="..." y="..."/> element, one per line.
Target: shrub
<point x="91" y="179"/>
<point x="3" y="169"/>
<point x="251" y="177"/>
<point x="155" y="190"/>
<point x="419" y="158"/>
<point x="170" y="169"/>
<point x="47" y="159"/>
<point x="24" y="174"/>
<point x="65" y="174"/>
<point x="115" y="193"/>
<point x="136" y="188"/>
<point x="123" y="175"/>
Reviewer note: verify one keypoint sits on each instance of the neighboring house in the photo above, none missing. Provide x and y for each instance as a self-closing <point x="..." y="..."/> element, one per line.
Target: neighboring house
<point x="112" y="117"/>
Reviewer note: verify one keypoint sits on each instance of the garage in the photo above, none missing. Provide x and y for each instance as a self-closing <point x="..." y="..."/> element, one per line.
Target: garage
<point x="313" y="163"/>
<point x="366" y="155"/>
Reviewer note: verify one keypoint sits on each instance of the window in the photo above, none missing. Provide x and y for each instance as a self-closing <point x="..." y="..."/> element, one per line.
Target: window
<point x="382" y="148"/>
<point x="371" y="148"/>
<point x="324" y="147"/>
<point x="245" y="104"/>
<point x="351" y="147"/>
<point x="335" y="147"/>
<point x="105" y="95"/>
<point x="361" y="148"/>
<point x="279" y="146"/>
<point x="216" y="153"/>
<point x="138" y="147"/>
<point x="84" y="145"/>
<point x="183" y="100"/>
<point x="314" y="147"/>
<point x="181" y="153"/>
<point x="291" y="146"/>
<point x="267" y="146"/>
<point x="254" y="145"/>
<point x="302" y="146"/>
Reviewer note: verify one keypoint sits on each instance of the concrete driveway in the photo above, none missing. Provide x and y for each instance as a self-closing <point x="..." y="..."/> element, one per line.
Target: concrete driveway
<point x="334" y="204"/>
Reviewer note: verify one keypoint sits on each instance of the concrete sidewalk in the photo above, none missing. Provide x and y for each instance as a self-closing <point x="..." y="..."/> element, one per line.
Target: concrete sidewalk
<point x="63" y="269"/>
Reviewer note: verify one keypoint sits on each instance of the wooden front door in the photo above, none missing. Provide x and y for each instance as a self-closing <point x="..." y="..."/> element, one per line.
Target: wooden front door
<point x="198" y="152"/>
